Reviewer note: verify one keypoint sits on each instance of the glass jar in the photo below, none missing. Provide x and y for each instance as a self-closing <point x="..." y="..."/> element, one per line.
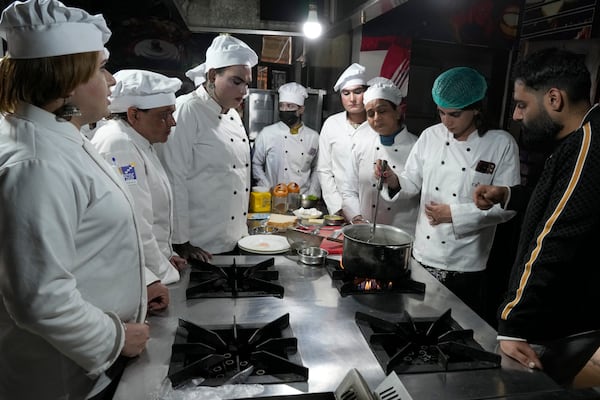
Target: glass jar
<point x="293" y="196"/>
<point x="279" y="199"/>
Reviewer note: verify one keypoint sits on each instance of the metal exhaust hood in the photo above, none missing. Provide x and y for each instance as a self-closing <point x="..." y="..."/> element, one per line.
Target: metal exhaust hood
<point x="243" y="16"/>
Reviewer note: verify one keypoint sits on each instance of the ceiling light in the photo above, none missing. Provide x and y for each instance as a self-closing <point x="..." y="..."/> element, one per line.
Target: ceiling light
<point x="312" y="27"/>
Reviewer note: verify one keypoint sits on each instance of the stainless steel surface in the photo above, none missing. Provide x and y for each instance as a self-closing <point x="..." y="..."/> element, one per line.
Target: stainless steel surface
<point x="299" y="239"/>
<point x="308" y="201"/>
<point x="313" y="108"/>
<point x="261" y="108"/>
<point x="329" y="341"/>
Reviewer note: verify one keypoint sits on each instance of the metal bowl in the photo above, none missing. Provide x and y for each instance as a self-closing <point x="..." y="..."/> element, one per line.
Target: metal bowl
<point x="333" y="220"/>
<point x="306" y="202"/>
<point x="264" y="230"/>
<point x="312" y="255"/>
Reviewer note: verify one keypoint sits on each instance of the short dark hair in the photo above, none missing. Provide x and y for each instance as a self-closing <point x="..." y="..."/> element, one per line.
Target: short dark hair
<point x="559" y="68"/>
<point x="39" y="81"/>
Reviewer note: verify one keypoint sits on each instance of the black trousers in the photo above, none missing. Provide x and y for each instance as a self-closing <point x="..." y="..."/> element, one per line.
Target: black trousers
<point x="467" y="286"/>
<point x="114" y="372"/>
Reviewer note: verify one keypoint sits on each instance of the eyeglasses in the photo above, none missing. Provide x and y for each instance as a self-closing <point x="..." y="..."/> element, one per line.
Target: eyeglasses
<point x="162" y="116"/>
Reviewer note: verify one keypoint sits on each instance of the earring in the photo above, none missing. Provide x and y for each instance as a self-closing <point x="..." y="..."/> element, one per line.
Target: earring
<point x="67" y="111"/>
<point x="211" y="88"/>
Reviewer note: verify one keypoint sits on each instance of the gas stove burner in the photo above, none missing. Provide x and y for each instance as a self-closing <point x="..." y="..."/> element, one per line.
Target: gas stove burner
<point x="210" y="281"/>
<point x="219" y="355"/>
<point x="347" y="283"/>
<point x="424" y="345"/>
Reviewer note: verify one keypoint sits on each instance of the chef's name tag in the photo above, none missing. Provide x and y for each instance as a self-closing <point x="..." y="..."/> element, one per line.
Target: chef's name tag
<point x="128" y="174"/>
<point x="483" y="174"/>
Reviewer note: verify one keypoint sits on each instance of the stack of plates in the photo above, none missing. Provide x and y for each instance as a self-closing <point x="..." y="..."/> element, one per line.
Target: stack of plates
<point x="264" y="244"/>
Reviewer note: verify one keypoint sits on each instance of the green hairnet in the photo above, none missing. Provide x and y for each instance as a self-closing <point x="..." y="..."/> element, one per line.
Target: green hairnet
<point x="458" y="88"/>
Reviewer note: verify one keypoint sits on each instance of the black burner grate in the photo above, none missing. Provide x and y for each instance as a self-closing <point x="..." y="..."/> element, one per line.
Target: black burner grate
<point x="210" y="281"/>
<point x="424" y="345"/>
<point x="214" y="356"/>
<point x="348" y="284"/>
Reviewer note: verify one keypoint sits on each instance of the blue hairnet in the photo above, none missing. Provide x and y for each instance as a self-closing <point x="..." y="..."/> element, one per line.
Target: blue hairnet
<point x="458" y="88"/>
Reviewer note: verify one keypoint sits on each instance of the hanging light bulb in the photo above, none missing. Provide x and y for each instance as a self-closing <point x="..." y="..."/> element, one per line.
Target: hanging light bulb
<point x="312" y="27"/>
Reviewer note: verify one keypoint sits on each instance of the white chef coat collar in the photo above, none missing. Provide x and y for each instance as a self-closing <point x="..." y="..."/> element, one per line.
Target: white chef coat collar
<point x="48" y="120"/>
<point x="210" y="102"/>
<point x="135" y="136"/>
<point x="472" y="136"/>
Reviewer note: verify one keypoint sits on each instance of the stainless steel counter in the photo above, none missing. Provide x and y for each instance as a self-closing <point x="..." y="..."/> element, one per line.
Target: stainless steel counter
<point x="329" y="341"/>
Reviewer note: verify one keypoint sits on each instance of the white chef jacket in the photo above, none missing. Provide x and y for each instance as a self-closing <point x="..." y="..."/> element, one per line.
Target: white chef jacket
<point x="207" y="159"/>
<point x="136" y="161"/>
<point x="335" y="145"/>
<point x="71" y="260"/>
<point x="282" y="157"/>
<point x="359" y="190"/>
<point x="444" y="170"/>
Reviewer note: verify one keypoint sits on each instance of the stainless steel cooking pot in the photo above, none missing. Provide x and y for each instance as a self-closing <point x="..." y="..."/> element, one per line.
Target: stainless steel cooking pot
<point x="384" y="255"/>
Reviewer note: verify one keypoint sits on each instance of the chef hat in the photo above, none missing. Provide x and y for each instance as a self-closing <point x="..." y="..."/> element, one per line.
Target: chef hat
<point x="142" y="89"/>
<point x="292" y="93"/>
<point x="197" y="74"/>
<point x="382" y="88"/>
<point x="458" y="88"/>
<point x="226" y="51"/>
<point x="354" y="75"/>
<point x="47" y="28"/>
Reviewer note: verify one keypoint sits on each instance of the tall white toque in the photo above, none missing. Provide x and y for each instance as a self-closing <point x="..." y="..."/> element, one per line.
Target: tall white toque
<point x="354" y="75"/>
<point x="48" y="28"/>
<point x="142" y="89"/>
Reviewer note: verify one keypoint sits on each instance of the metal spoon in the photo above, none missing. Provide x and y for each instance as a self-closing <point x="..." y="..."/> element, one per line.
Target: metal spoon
<point x="379" y="187"/>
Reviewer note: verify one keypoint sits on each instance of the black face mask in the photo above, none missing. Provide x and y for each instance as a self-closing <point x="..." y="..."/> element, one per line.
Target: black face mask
<point x="289" y="118"/>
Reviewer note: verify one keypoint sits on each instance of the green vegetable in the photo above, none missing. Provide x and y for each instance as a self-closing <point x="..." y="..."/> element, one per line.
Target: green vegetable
<point x="312" y="197"/>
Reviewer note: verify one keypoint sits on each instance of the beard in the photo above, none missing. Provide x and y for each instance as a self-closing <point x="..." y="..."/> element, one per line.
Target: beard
<point x="540" y="132"/>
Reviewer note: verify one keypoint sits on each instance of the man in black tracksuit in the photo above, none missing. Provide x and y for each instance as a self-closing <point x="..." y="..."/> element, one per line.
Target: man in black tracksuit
<point x="553" y="283"/>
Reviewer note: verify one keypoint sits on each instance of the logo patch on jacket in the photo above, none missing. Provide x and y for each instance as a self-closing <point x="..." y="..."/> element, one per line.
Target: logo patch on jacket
<point x="128" y="173"/>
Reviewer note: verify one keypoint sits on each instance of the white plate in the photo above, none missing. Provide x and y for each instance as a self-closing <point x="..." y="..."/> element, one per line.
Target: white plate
<point x="310" y="213"/>
<point x="264" y="244"/>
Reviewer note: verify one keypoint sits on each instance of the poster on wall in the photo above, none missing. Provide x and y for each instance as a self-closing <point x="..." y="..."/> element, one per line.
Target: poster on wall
<point x="389" y="57"/>
<point x="387" y="40"/>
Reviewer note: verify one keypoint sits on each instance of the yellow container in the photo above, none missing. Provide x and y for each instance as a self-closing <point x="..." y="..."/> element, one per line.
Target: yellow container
<point x="260" y="201"/>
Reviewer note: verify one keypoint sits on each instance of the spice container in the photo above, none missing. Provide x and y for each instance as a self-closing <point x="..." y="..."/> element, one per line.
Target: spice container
<point x="293" y="196"/>
<point x="279" y="199"/>
<point x="260" y="199"/>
